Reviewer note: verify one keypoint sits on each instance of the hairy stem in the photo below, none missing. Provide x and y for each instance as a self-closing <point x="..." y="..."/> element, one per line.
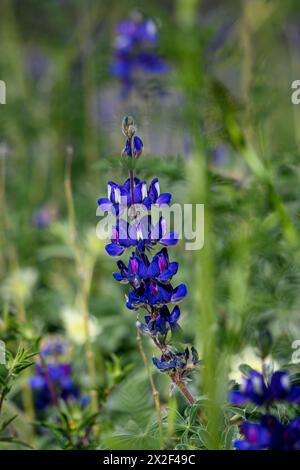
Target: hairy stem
<point x="184" y="390"/>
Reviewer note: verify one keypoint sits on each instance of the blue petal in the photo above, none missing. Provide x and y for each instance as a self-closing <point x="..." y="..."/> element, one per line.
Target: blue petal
<point x="174" y="317"/>
<point x="170" y="238"/>
<point x="37" y="382"/>
<point x="179" y="293"/>
<point x="137" y="145"/>
<point x="114" y="250"/>
<point x="137" y="193"/>
<point x="119" y="277"/>
<point x="154" y="190"/>
<point x="153" y="269"/>
<point x="237" y="398"/>
<point x="162" y="365"/>
<point x="294" y="394"/>
<point x="170" y="272"/>
<point x="280" y="384"/>
<point x="164" y="199"/>
<point x="105" y="204"/>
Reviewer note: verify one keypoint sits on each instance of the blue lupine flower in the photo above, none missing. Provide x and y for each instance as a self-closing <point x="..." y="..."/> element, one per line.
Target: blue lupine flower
<point x="161" y="268"/>
<point x="178" y="362"/>
<point x="163" y="321"/>
<point x="154" y="293"/>
<point x="136" y="271"/>
<point x="154" y="196"/>
<point x="143" y="233"/>
<point x="256" y="390"/>
<point x="171" y="361"/>
<point x="270" y="434"/>
<point x="140" y="233"/>
<point x="136" y="145"/>
<point x="119" y="196"/>
<point x="256" y="436"/>
<point x="139" y="269"/>
<point x="53" y="347"/>
<point x="52" y="382"/>
<point x="53" y="379"/>
<point x="119" y="240"/>
<point x="135" y="51"/>
<point x="42" y="218"/>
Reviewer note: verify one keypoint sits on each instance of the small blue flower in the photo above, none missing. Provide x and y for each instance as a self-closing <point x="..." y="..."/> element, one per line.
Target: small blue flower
<point x="119" y="196"/>
<point x="135" y="272"/>
<point x="154" y="293"/>
<point x="117" y="200"/>
<point x="270" y="434"/>
<point x="42" y="218"/>
<point x="119" y="240"/>
<point x="53" y="347"/>
<point x="141" y="234"/>
<point x="176" y="362"/>
<point x="139" y="268"/>
<point x="256" y="437"/>
<point x="51" y="381"/>
<point x="171" y="361"/>
<point x="135" y="51"/>
<point x="256" y="390"/>
<point x="162" y="322"/>
<point x="154" y="196"/>
<point x="136" y="145"/>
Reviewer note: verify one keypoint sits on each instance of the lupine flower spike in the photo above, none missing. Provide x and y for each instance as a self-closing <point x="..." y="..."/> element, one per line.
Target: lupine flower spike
<point x="135" y="51"/>
<point x="53" y="380"/>
<point x="149" y="275"/>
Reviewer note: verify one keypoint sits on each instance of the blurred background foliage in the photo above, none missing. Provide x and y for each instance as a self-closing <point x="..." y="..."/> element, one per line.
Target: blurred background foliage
<point x="219" y="128"/>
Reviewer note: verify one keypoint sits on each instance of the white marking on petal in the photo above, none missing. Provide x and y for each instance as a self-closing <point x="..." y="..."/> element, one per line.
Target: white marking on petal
<point x="243" y="386"/>
<point x="156" y="185"/>
<point x="139" y="233"/>
<point x="257" y="385"/>
<point x="144" y="190"/>
<point x="109" y="191"/>
<point x="151" y="28"/>
<point x="117" y="195"/>
<point x="285" y="382"/>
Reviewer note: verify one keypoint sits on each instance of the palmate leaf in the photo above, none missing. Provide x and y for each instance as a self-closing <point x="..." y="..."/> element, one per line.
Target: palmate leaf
<point x="132" y="399"/>
<point x="134" y="437"/>
<point x="132" y="410"/>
